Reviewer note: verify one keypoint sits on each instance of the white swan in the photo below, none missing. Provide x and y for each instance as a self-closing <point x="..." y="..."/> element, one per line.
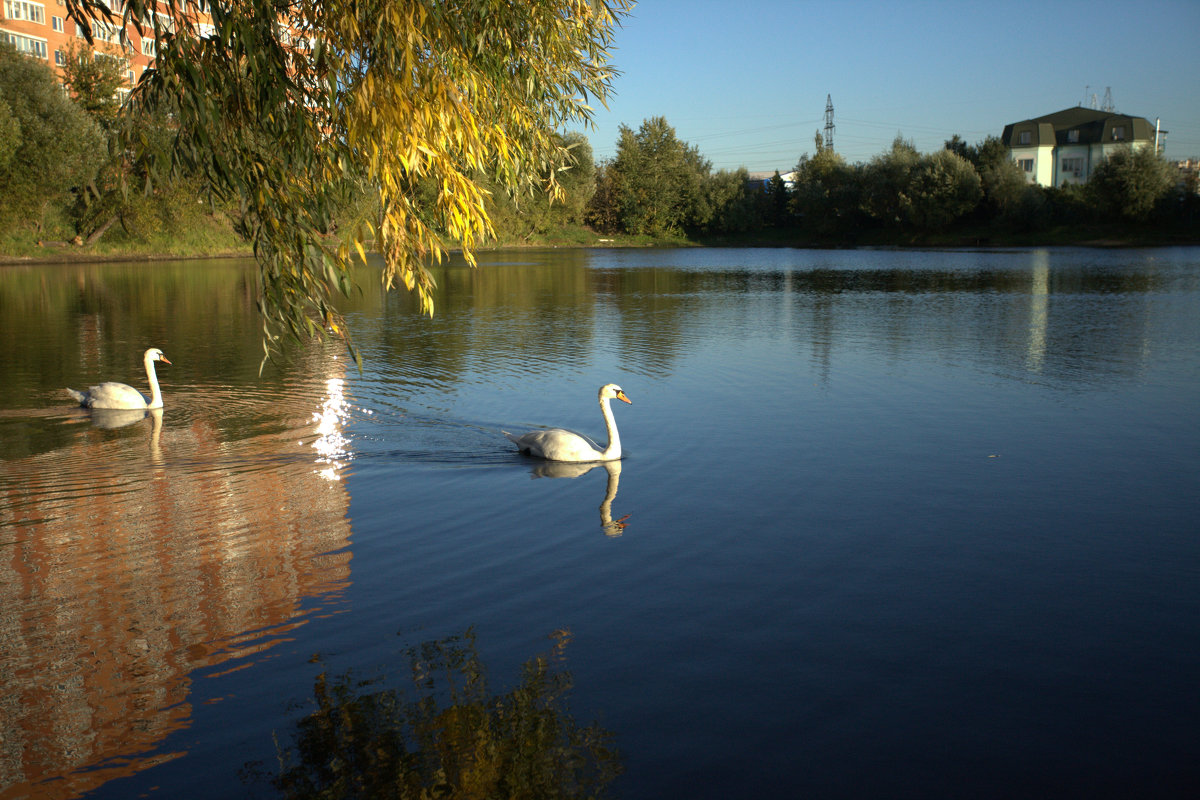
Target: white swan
<point x="556" y="444"/>
<point x="119" y="395"/>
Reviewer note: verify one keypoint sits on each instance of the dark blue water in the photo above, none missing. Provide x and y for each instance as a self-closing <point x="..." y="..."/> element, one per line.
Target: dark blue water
<point x="890" y="524"/>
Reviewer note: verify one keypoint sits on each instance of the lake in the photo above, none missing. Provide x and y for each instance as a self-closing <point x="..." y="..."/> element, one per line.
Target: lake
<point x="889" y="524"/>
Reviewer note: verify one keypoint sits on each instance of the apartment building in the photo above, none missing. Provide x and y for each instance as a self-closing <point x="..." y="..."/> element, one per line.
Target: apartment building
<point x="42" y="30"/>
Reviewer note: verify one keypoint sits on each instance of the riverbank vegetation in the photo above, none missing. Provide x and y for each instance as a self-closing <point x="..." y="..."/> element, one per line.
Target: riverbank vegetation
<point x="75" y="189"/>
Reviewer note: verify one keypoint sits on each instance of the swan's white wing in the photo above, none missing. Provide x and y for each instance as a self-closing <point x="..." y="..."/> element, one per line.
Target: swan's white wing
<point x="115" y="395"/>
<point x="556" y="444"/>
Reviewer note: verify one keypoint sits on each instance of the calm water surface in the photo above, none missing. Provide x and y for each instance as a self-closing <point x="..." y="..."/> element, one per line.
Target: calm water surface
<point x="890" y="524"/>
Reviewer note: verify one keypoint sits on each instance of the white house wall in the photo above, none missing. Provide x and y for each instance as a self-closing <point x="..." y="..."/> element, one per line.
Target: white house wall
<point x="1067" y="177"/>
<point x="1043" y="162"/>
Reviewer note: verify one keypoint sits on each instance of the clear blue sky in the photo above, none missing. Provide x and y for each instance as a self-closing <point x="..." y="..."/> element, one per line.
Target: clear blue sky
<point x="745" y="81"/>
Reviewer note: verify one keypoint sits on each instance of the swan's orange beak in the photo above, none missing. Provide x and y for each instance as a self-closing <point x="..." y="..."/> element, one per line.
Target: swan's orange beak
<point x="164" y="359"/>
<point x="621" y="396"/>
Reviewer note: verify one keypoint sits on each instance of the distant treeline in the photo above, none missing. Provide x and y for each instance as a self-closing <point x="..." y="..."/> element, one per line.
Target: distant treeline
<point x="657" y="185"/>
<point x="66" y="182"/>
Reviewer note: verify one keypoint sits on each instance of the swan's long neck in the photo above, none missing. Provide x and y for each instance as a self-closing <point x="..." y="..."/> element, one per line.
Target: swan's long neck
<point x="613" y="451"/>
<point x="155" y="392"/>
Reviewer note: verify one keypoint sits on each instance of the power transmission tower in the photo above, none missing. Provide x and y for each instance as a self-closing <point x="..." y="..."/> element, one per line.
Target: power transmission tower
<point x="828" y="122"/>
<point x="1108" y="105"/>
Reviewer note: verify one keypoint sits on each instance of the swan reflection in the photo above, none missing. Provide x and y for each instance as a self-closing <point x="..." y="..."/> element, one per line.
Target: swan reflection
<point x="562" y="469"/>
<point x="112" y="418"/>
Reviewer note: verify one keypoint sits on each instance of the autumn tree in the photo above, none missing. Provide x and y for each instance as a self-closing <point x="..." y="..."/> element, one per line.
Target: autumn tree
<point x="278" y="107"/>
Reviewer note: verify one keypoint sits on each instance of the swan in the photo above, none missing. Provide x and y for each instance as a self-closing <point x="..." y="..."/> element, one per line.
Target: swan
<point x="556" y="444"/>
<point x="118" y="395"/>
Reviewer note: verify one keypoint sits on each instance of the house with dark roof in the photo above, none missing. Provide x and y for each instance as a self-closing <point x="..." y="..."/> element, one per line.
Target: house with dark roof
<point x="1065" y="147"/>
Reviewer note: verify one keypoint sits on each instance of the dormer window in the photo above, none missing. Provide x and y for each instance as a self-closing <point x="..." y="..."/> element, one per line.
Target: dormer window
<point x="1025" y="137"/>
<point x="1118" y="133"/>
<point x="1073" y="136"/>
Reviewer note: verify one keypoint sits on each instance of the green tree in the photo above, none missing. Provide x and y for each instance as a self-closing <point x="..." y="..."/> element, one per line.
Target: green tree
<point x="10" y="135"/>
<point x="905" y="188"/>
<point x="944" y="188"/>
<point x="58" y="147"/>
<point x="578" y="181"/>
<point x="659" y="180"/>
<point x="956" y="144"/>
<point x="278" y="113"/>
<point x="738" y="205"/>
<point x="827" y="194"/>
<point x="778" y="200"/>
<point x="1129" y="183"/>
<point x="603" y="210"/>
<point x="93" y="79"/>
<point x="1006" y="193"/>
<point x="887" y="184"/>
<point x="518" y="217"/>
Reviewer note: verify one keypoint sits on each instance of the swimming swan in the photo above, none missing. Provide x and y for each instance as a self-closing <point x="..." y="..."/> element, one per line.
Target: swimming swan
<point x="119" y="395"/>
<point x="556" y="444"/>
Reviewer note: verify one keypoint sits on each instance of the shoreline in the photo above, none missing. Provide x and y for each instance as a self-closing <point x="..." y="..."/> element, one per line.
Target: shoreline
<point x="69" y="257"/>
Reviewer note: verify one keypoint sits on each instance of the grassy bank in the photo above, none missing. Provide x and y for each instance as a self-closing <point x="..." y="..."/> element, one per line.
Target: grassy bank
<point x="206" y="238"/>
<point x="215" y="241"/>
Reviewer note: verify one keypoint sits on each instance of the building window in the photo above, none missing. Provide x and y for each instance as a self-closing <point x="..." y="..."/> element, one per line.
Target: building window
<point x="108" y="59"/>
<point x="26" y="44"/>
<point x="30" y="12"/>
<point x="101" y="31"/>
<point x="148" y="47"/>
<point x="1025" y="137"/>
<point x="1073" y="165"/>
<point x="59" y="58"/>
<point x="1073" y="136"/>
<point x="1118" y="133"/>
<point x="57" y="24"/>
<point x="1025" y="164"/>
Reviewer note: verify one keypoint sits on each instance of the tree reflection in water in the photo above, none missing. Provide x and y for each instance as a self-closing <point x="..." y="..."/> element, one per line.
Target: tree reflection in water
<point x="448" y="736"/>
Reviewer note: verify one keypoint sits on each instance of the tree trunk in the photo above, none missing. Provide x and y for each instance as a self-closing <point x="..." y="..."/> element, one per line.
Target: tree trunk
<point x="95" y="236"/>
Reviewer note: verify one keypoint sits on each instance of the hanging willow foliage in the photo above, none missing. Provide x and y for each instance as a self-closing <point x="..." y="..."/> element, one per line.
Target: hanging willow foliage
<point x="283" y="104"/>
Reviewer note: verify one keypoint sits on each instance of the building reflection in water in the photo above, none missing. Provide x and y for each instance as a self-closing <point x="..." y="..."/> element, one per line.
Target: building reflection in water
<point x="1039" y="307"/>
<point x="128" y="561"/>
